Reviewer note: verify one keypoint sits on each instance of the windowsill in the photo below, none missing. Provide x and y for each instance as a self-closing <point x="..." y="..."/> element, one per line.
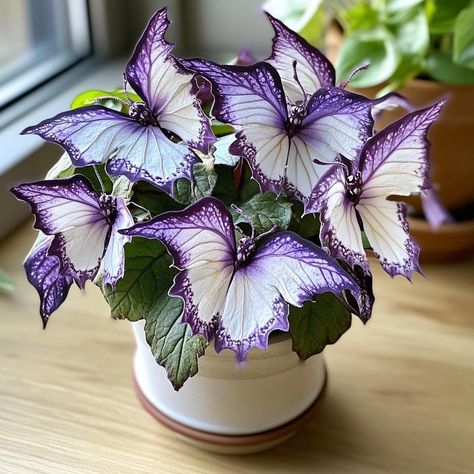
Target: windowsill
<point x="15" y="147"/>
<point x="27" y="158"/>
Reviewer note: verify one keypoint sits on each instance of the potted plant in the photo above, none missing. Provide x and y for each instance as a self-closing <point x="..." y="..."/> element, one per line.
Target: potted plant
<point x="243" y="254"/>
<point x="423" y="49"/>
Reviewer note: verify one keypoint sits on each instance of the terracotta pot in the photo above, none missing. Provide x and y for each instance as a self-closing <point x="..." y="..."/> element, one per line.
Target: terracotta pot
<point x="451" y="155"/>
<point x="231" y="408"/>
<point x="448" y="243"/>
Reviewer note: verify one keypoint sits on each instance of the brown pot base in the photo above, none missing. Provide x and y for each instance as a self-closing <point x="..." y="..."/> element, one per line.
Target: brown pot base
<point x="449" y="243"/>
<point x="240" y="444"/>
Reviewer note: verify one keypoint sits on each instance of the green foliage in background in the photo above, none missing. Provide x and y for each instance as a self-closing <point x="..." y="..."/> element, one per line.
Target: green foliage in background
<point x="402" y="39"/>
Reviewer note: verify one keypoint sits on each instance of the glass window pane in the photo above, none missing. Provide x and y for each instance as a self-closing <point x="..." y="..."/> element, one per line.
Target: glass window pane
<point x="38" y="39"/>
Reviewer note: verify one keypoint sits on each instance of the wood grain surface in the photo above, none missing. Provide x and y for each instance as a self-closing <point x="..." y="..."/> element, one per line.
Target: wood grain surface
<point x="400" y="396"/>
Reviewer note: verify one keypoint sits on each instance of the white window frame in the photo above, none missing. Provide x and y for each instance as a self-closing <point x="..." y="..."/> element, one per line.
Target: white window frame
<point x="78" y="32"/>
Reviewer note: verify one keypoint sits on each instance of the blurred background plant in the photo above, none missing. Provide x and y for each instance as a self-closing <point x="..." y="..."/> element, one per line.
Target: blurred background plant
<point x="401" y="39"/>
<point x="6" y="284"/>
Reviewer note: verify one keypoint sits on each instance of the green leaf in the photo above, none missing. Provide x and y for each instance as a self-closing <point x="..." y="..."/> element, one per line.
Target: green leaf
<point x="318" y="324"/>
<point x="444" y="13"/>
<point x="143" y="294"/>
<point x="376" y="47"/>
<point x="221" y="129"/>
<point x="265" y="211"/>
<point x="173" y="344"/>
<point x="463" y="50"/>
<point x="92" y="97"/>
<point x="440" y="67"/>
<point x="144" y="287"/>
<point x="91" y="175"/>
<point x="204" y="181"/>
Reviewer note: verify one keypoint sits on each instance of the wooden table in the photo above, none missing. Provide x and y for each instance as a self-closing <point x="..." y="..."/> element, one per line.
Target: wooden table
<point x="400" y="398"/>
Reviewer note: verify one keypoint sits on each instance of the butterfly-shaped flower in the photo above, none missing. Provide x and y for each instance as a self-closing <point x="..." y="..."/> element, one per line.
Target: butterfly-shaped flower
<point x="84" y="227"/>
<point x="154" y="141"/>
<point x="239" y="293"/>
<point x="283" y="144"/>
<point x="394" y="162"/>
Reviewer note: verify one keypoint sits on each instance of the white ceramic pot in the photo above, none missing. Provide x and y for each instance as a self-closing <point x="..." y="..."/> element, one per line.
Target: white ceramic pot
<point x="271" y="390"/>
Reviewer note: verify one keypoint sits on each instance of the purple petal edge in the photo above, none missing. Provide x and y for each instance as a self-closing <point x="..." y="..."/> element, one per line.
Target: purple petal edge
<point x="43" y="273"/>
<point x="259" y="338"/>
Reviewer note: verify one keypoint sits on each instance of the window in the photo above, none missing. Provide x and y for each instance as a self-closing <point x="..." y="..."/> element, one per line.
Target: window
<point x="38" y="40"/>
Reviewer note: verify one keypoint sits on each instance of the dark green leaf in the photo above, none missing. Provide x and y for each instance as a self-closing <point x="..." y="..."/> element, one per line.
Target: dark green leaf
<point x="441" y="68"/>
<point x="248" y="186"/>
<point x="307" y="226"/>
<point x="225" y="188"/>
<point x="204" y="181"/>
<point x="173" y="344"/>
<point x="266" y="211"/>
<point x="318" y="324"/>
<point x="91" y="175"/>
<point x="153" y="199"/>
<point x="463" y="47"/>
<point x="143" y="294"/>
<point x="148" y="277"/>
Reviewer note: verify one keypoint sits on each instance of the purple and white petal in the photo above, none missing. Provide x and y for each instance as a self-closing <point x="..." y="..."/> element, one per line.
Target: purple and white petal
<point x="201" y="241"/>
<point x="252" y="311"/>
<point x="90" y="135"/>
<point x="395" y="160"/>
<point x="222" y="155"/>
<point x="299" y="269"/>
<point x="251" y="99"/>
<point x="95" y="134"/>
<point x="112" y="266"/>
<point x="167" y="87"/>
<point x="285" y="270"/>
<point x="155" y="159"/>
<point x="59" y="204"/>
<point x="43" y="272"/>
<point x="70" y="210"/>
<point x="340" y="231"/>
<point x="244" y="95"/>
<point x="338" y="122"/>
<point x="314" y="70"/>
<point x="302" y="172"/>
<point x="386" y="228"/>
